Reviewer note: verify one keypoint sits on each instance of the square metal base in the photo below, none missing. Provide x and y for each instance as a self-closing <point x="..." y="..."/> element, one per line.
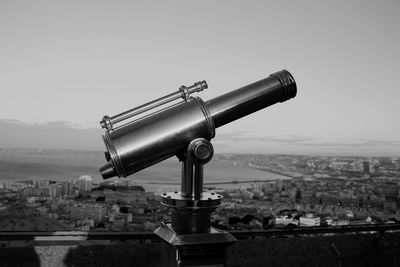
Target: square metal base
<point x="198" y="249"/>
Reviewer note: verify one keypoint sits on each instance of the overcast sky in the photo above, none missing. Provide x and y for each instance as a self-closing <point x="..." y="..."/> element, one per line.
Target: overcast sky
<point x="64" y="64"/>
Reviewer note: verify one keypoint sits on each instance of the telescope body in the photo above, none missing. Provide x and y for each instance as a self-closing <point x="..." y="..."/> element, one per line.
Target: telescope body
<point x="154" y="138"/>
<point x="168" y="132"/>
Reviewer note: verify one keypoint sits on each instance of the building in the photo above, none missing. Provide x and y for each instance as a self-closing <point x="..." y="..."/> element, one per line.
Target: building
<point x="84" y="184"/>
<point x="54" y="190"/>
<point x="285" y="220"/>
<point x="366" y="167"/>
<point x="246" y="194"/>
<point x="390" y="205"/>
<point x="389" y="189"/>
<point x="81" y="211"/>
<point x="142" y="218"/>
<point x="35" y="192"/>
<point x="309" y="220"/>
<point x="269" y="187"/>
<point x="67" y="189"/>
<point x="298" y="196"/>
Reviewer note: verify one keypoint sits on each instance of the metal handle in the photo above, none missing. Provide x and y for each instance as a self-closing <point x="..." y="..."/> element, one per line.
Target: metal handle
<point x="183" y="92"/>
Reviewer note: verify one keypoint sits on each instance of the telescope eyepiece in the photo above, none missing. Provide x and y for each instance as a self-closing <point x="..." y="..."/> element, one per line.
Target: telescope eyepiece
<point x="107" y="171"/>
<point x="195" y="88"/>
<point x="198" y="87"/>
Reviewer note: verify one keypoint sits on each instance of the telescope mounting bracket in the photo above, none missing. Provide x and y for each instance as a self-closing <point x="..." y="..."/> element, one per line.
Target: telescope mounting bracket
<point x="191" y="199"/>
<point x="199" y="152"/>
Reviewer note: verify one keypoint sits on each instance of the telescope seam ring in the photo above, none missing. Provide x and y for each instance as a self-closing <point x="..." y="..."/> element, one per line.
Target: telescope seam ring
<point x="175" y="200"/>
<point x="185" y="93"/>
<point x="107" y="123"/>
<point x="207" y="115"/>
<point x="288" y="84"/>
<point x="115" y="160"/>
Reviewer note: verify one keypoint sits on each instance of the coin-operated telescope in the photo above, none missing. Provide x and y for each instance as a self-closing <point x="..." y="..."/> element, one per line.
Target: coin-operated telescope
<point x="184" y="129"/>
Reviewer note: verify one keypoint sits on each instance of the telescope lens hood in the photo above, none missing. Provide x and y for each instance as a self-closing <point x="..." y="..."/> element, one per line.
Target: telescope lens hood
<point x="288" y="83"/>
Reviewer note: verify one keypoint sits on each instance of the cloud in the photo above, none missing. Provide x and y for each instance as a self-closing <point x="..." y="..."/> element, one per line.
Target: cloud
<point x="67" y="135"/>
<point x="248" y="142"/>
<point x="291" y="139"/>
<point x="250" y="137"/>
<point x="52" y="135"/>
<point x="58" y="124"/>
<point x="360" y="143"/>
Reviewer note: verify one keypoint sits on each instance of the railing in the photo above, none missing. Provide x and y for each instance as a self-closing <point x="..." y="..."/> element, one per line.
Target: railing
<point x="379" y="228"/>
<point x="18" y="239"/>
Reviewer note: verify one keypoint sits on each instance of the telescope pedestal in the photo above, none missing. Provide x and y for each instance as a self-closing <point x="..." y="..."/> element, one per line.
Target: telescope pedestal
<point x="190" y="240"/>
<point x="195" y="249"/>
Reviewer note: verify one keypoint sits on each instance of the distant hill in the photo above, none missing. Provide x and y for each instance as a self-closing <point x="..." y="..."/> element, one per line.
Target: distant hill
<point x="57" y="153"/>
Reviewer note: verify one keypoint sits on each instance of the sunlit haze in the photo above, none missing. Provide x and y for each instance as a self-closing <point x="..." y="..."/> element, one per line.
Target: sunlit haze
<point x="65" y="64"/>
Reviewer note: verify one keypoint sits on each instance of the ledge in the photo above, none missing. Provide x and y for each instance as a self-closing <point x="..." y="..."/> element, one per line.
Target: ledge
<point x="20" y="239"/>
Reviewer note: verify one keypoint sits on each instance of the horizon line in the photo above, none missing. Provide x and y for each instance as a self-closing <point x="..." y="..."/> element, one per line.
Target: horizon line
<point x="219" y="153"/>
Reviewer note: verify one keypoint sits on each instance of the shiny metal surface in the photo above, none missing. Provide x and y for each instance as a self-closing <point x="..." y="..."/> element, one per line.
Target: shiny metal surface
<point x="187" y="181"/>
<point x="155" y="138"/>
<point x="209" y="200"/>
<point x="194" y="248"/>
<point x="185" y="130"/>
<point x="198" y="181"/>
<point x="149" y="140"/>
<point x="191" y="215"/>
<point x="188" y="222"/>
<point x="183" y="92"/>
<point x="229" y="107"/>
<point x="199" y="152"/>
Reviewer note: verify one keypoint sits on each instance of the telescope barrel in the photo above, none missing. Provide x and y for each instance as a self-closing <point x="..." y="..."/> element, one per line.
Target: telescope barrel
<point x="168" y="132"/>
<point x="231" y="106"/>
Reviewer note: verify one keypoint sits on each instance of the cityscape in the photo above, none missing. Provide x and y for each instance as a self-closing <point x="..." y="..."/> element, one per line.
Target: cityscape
<point x="201" y="133"/>
<point x="316" y="191"/>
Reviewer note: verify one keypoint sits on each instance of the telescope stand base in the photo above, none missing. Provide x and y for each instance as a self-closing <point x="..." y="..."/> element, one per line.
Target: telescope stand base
<point x="194" y="249"/>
